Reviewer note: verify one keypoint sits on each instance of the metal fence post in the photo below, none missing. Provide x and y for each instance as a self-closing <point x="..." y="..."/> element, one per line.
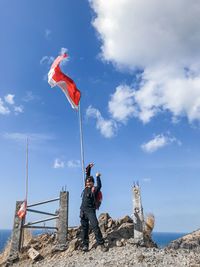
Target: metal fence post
<point x="63" y="220"/>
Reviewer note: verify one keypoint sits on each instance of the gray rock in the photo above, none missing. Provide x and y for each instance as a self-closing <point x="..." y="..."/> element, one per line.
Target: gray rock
<point x="72" y="245"/>
<point x="119" y="243"/>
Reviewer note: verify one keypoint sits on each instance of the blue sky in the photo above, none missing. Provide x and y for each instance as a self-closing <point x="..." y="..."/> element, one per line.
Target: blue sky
<point x="139" y="76"/>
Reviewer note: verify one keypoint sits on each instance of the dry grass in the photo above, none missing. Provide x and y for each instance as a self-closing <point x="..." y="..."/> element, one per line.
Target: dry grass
<point x="149" y="224"/>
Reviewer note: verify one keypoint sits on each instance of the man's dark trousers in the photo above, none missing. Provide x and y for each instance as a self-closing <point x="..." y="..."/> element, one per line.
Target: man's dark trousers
<point x="86" y="217"/>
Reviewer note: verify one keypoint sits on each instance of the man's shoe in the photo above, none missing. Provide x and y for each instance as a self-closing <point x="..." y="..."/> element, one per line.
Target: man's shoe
<point x="103" y="248"/>
<point x="85" y="248"/>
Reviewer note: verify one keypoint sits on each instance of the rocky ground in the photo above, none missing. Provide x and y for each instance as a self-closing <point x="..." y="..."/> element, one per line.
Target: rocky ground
<point x="122" y="249"/>
<point x="126" y="256"/>
<point x="190" y="241"/>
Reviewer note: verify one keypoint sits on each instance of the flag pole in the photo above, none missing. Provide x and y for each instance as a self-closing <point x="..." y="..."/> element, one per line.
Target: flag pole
<point x="26" y="169"/>
<point x="81" y="141"/>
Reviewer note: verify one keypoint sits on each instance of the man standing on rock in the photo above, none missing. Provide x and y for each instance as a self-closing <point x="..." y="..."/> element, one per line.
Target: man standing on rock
<point x="88" y="210"/>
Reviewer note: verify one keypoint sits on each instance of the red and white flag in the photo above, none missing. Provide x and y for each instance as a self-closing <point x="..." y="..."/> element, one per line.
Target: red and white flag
<point x="68" y="86"/>
<point x="22" y="210"/>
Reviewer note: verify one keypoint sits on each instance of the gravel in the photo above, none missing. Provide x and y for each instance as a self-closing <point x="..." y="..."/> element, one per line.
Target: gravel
<point x="126" y="256"/>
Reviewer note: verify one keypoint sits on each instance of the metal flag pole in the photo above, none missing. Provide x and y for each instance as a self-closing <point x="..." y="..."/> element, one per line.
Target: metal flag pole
<point x="81" y="141"/>
<point x="24" y="204"/>
<point x="26" y="169"/>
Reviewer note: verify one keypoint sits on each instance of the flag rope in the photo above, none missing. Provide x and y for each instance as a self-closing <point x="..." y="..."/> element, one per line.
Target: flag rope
<point x="81" y="141"/>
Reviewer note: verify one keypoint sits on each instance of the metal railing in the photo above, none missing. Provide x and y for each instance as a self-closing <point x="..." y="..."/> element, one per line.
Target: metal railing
<point x="61" y="225"/>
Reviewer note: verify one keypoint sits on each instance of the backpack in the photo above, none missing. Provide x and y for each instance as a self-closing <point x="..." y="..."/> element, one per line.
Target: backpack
<point x="98" y="197"/>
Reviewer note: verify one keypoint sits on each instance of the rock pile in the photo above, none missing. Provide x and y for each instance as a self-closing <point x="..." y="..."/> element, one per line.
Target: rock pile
<point x="115" y="233"/>
<point x="122" y="249"/>
<point x="190" y="241"/>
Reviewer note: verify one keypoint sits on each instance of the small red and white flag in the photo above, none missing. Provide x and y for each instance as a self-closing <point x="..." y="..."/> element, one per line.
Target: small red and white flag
<point x="22" y="210"/>
<point x="68" y="86"/>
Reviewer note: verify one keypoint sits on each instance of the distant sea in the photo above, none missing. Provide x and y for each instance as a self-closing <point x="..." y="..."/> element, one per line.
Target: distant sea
<point x="162" y="239"/>
<point x="4" y="237"/>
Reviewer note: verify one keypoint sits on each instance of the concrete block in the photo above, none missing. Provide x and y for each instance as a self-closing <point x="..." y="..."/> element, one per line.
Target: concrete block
<point x="33" y="254"/>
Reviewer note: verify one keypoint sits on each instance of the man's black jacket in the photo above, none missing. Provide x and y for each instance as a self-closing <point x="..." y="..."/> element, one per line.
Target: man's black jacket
<point x="88" y="196"/>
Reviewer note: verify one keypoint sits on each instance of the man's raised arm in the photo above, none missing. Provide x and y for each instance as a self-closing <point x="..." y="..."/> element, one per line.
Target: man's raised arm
<point x="98" y="187"/>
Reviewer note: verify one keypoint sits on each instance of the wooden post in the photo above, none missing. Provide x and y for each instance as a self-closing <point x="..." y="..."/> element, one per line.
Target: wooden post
<point x="16" y="234"/>
<point x="63" y="220"/>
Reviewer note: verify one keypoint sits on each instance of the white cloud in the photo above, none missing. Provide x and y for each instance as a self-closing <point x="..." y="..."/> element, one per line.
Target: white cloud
<point x="47" y="33"/>
<point x="162" y="40"/>
<point x="58" y="164"/>
<point x="142" y="34"/>
<point x="18" y="109"/>
<point x="180" y="96"/>
<point x="107" y="128"/>
<point x="63" y="50"/>
<point x="3" y="109"/>
<point x="33" y="137"/>
<point x="121" y="106"/>
<point x="28" y="97"/>
<point x="159" y="141"/>
<point x="73" y="163"/>
<point x="46" y="60"/>
<point x="147" y="180"/>
<point x="10" y="99"/>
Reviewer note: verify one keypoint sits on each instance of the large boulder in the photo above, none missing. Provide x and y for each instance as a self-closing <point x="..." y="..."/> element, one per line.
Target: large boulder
<point x="103" y="218"/>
